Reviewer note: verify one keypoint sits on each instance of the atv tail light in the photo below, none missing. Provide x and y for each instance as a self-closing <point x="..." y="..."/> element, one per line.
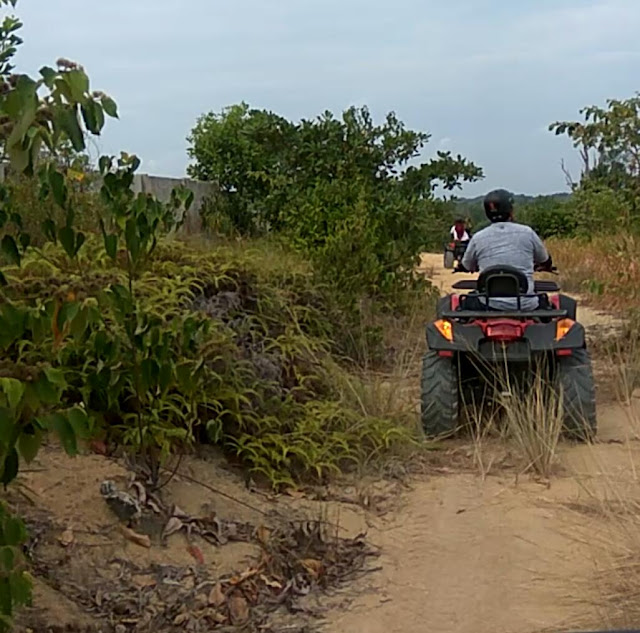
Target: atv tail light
<point x="445" y="328"/>
<point x="504" y="331"/>
<point x="562" y="327"/>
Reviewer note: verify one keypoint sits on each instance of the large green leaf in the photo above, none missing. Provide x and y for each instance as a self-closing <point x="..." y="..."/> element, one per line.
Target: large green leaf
<point x="10" y="249"/>
<point x="110" y="106"/>
<point x="68" y="121"/>
<point x="58" y="187"/>
<point x="29" y="445"/>
<point x="49" y="76"/>
<point x="78" y="83"/>
<point x="67" y="237"/>
<point x="9" y="469"/>
<point x="59" y="423"/>
<point x="93" y="116"/>
<point x="49" y="229"/>
<point x="13" y="390"/>
<point x="14" y="531"/>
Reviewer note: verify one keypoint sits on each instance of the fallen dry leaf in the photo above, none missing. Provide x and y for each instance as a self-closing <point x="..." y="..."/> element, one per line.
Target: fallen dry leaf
<point x="98" y="447"/>
<point x="173" y="525"/>
<point x="180" y="513"/>
<point x="295" y="493"/>
<point x="139" y="539"/>
<point x="313" y="566"/>
<point x="181" y="619"/>
<point x="144" y="581"/>
<point x="263" y="534"/>
<point x="66" y="538"/>
<point x="140" y="491"/>
<point x="238" y="609"/>
<point x="270" y="582"/>
<point x="196" y="552"/>
<point x="245" y="575"/>
<point x="217" y="597"/>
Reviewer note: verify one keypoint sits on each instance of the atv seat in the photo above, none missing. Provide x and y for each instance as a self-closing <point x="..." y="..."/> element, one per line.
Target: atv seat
<point x="502" y="281"/>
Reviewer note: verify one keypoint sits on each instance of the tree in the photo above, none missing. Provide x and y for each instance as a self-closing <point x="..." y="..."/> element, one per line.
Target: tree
<point x="609" y="143"/>
<point x="341" y="189"/>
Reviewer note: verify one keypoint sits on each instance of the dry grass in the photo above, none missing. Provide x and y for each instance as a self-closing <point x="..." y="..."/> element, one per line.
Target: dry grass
<point x="610" y="486"/>
<point x="612" y="505"/>
<point x="605" y="269"/>
<point x="534" y="420"/>
<point x="527" y="417"/>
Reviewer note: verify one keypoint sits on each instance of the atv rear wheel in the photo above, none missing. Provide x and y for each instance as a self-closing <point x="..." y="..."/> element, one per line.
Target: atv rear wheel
<point x="439" y="395"/>
<point x="578" y="395"/>
<point x="449" y="258"/>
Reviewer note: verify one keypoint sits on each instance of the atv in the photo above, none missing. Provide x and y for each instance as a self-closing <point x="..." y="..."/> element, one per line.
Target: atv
<point x="467" y="345"/>
<point x="454" y="252"/>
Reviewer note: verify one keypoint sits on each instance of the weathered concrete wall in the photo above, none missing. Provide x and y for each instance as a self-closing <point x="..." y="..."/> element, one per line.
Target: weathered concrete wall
<point x="161" y="187"/>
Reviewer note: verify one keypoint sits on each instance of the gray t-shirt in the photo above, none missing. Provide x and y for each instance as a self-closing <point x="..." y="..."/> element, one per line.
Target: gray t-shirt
<point x="507" y="244"/>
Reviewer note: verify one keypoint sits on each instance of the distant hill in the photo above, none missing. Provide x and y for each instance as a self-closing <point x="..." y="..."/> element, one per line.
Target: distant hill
<point x="472" y="207"/>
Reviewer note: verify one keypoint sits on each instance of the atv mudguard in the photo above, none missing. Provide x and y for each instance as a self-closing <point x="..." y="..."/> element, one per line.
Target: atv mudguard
<point x="537" y="338"/>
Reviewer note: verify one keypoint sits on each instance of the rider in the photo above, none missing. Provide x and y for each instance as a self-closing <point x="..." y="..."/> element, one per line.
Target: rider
<point x="459" y="231"/>
<point x="505" y="242"/>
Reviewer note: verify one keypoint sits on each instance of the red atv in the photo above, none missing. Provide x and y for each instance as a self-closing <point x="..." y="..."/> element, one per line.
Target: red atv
<point x="466" y="344"/>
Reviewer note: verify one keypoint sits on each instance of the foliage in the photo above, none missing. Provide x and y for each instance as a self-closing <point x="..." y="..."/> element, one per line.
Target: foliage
<point x="15" y="588"/>
<point x="35" y="115"/>
<point x="341" y="190"/>
<point x="609" y="143"/>
<point x="604" y="268"/>
<point x="549" y="216"/>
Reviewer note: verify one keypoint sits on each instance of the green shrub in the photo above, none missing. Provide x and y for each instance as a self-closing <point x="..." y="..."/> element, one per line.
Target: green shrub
<point x="341" y="191"/>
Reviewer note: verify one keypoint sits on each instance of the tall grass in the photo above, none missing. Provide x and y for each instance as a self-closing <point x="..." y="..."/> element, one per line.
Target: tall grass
<point x="528" y="415"/>
<point x="534" y="420"/>
<point x="604" y="268"/>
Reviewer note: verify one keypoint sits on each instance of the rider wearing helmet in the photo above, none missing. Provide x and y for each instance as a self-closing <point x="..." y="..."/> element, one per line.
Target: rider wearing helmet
<point x="505" y="242"/>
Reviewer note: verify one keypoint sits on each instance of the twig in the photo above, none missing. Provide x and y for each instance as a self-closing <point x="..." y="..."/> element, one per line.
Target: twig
<point x="172" y="474"/>
<point x="215" y="491"/>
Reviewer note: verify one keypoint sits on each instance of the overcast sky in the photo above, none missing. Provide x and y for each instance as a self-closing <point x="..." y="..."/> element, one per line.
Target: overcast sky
<point x="483" y="77"/>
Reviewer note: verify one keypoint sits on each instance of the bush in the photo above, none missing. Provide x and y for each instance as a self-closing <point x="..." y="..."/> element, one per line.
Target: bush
<point x="233" y="351"/>
<point x="339" y="190"/>
<point x="549" y="217"/>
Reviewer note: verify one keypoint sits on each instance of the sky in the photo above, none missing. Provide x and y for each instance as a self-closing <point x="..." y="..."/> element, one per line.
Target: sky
<point x="483" y="77"/>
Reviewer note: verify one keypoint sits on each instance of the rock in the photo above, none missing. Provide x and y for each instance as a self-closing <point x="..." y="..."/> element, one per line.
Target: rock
<point x="123" y="505"/>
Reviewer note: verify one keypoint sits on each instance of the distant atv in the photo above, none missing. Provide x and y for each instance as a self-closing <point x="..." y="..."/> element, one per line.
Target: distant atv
<point x="462" y="341"/>
<point x="454" y="252"/>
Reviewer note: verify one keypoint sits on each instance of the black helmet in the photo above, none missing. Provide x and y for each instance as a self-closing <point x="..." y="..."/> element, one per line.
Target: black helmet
<point x="498" y="205"/>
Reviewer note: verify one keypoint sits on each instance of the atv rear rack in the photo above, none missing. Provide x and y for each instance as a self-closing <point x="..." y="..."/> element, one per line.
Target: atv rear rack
<point x="539" y="286"/>
<point x="503" y="314"/>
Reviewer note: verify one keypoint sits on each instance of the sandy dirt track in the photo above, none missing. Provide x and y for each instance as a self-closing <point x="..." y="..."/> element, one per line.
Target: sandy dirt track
<point x="503" y="555"/>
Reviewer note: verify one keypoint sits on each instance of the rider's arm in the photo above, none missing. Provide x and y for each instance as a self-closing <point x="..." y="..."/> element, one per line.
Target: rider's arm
<point x="541" y="257"/>
<point x="469" y="262"/>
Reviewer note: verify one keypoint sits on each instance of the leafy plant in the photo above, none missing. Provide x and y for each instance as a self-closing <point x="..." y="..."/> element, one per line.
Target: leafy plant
<point x="340" y="190"/>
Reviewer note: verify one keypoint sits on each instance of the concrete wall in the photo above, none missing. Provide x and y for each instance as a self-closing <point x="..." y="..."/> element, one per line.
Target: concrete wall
<point x="161" y="188"/>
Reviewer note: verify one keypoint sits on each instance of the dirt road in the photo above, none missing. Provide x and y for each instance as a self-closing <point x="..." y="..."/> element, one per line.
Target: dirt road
<point x="503" y="555"/>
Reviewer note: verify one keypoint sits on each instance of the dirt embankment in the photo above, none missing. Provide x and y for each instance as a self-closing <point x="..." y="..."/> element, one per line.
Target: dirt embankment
<point x="459" y="554"/>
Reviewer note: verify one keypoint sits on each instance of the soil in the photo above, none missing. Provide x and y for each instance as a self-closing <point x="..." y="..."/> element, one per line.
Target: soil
<point x="458" y="552"/>
<point x="500" y="554"/>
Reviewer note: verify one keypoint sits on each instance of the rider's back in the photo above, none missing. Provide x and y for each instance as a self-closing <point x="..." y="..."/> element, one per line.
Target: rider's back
<point x="507" y="244"/>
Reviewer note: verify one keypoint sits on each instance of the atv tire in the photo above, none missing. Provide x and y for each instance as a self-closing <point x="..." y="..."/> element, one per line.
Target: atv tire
<point x="449" y="259"/>
<point x="578" y="395"/>
<point x="439" y="395"/>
